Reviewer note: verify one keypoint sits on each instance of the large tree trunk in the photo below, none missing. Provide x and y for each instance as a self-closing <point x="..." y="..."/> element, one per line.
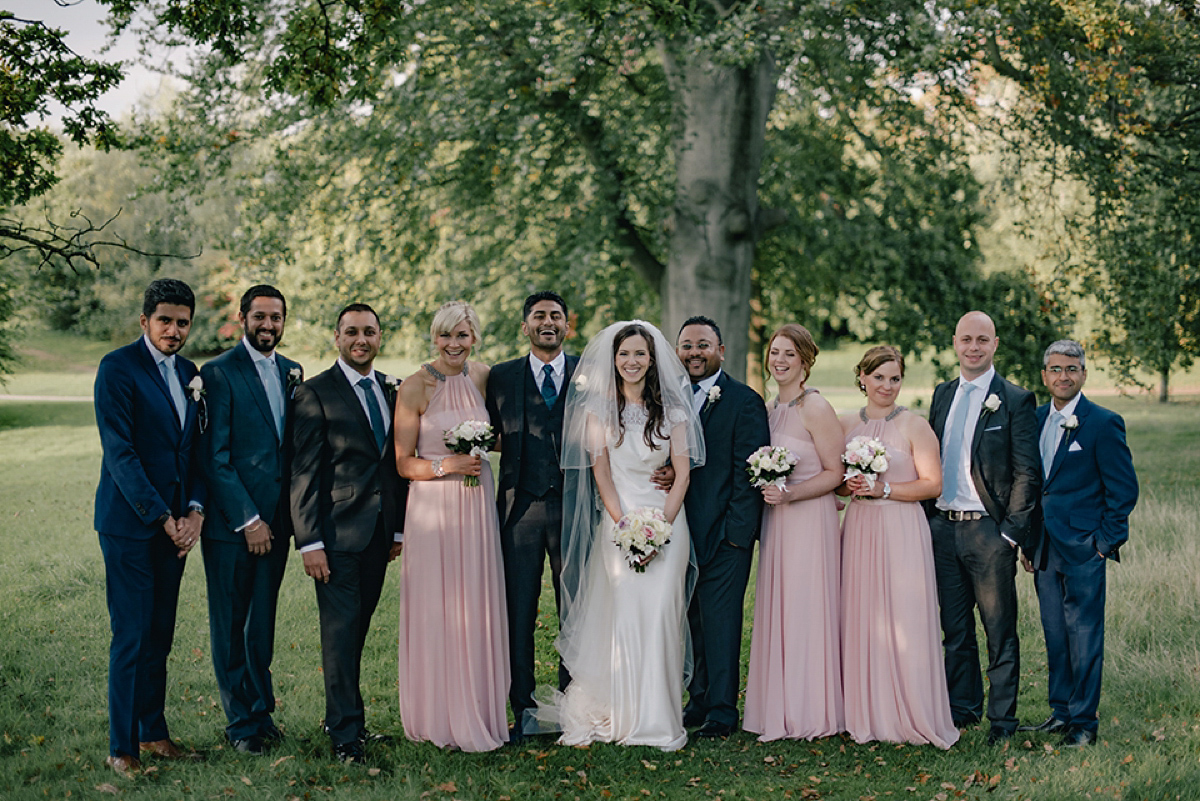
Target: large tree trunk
<point x="721" y="116"/>
<point x="1164" y="384"/>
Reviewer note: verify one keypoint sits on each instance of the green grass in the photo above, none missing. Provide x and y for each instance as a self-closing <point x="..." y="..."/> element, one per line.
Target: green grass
<point x="54" y="639"/>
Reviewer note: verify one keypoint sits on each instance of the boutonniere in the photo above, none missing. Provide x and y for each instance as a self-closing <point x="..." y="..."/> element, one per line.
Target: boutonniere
<point x="991" y="403"/>
<point x="714" y="395"/>
<point x="391" y="383"/>
<point x="195" y="388"/>
<point x="1071" y="423"/>
<point x="294" y="377"/>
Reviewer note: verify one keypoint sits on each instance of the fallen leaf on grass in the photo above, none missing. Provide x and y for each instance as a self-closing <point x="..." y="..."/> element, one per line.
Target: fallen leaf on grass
<point x="373" y="771"/>
<point x="447" y="787"/>
<point x="281" y="760"/>
<point x="1127" y="759"/>
<point x="107" y="788"/>
<point x="246" y="781"/>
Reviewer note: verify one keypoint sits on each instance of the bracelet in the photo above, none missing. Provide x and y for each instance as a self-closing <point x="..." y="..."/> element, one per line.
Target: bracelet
<point x="257" y="525"/>
<point x="438" y="470"/>
<point x="887" y="491"/>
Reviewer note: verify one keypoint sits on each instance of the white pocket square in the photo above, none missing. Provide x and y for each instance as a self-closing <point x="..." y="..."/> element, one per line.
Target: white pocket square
<point x="1074" y="447"/>
<point x="993" y="428"/>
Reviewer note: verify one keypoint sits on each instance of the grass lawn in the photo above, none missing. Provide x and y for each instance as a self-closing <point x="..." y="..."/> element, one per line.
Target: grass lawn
<point x="54" y="640"/>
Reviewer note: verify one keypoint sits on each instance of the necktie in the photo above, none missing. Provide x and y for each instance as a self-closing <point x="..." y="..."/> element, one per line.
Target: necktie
<point x="549" y="393"/>
<point x="269" y="373"/>
<point x="697" y="403"/>
<point x="1050" y="441"/>
<point x="167" y="368"/>
<point x="952" y="453"/>
<point x="368" y="388"/>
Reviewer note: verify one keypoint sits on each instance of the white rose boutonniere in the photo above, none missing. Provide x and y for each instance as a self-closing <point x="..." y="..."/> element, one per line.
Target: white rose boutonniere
<point x="581" y="382"/>
<point x="390" y="382"/>
<point x="195" y="388"/>
<point x="1071" y="423"/>
<point x="294" y="376"/>
<point x="991" y="403"/>
<point x="714" y="395"/>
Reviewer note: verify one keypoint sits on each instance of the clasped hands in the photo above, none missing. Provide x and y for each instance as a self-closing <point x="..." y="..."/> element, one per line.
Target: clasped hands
<point x="184" y="531"/>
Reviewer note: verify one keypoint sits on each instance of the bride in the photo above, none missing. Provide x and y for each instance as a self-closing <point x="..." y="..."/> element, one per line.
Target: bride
<point x="628" y="412"/>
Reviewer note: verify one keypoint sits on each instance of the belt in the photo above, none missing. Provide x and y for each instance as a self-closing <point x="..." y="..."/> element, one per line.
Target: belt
<point x="955" y="516"/>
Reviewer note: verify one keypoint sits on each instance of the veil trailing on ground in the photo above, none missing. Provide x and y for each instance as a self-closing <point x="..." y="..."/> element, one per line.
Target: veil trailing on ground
<point x="591" y="422"/>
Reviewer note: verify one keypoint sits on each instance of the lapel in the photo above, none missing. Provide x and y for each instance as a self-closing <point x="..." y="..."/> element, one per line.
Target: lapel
<point x="517" y="387"/>
<point x="995" y="388"/>
<point x="248" y="371"/>
<point x="349" y="397"/>
<point x="941" y="409"/>
<point x="1069" y="435"/>
<point x="155" y="375"/>
<point x="706" y="410"/>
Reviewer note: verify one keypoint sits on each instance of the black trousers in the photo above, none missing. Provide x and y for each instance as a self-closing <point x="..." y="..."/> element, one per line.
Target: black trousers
<point x="532" y="532"/>
<point x="976" y="567"/>
<point x="346" y="604"/>
<point x="715" y="621"/>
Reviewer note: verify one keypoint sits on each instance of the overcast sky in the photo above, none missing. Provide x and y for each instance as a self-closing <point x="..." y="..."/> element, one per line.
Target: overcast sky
<point x="87" y="36"/>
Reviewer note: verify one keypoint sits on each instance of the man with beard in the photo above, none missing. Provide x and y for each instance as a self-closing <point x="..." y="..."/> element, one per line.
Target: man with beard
<point x="525" y="403"/>
<point x="245" y="545"/>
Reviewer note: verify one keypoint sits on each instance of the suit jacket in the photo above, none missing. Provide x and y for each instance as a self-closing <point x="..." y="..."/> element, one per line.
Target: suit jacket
<point x="245" y="459"/>
<point x="1005" y="467"/>
<point x="506" y="408"/>
<point x="340" y="481"/>
<point x="150" y="465"/>
<point x="1091" y="488"/>
<point x="721" y="504"/>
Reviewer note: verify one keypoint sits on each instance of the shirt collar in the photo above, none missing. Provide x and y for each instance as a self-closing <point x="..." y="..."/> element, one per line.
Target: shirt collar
<point x="710" y="382"/>
<point x="982" y="382"/>
<point x="353" y="376"/>
<point x="1069" y="409"/>
<point x="558" y="364"/>
<point x="158" y="356"/>
<point x="258" y="356"/>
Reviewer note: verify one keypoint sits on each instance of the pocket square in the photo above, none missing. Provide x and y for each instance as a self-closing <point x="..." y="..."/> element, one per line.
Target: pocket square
<point x="1075" y="446"/>
<point x="993" y="428"/>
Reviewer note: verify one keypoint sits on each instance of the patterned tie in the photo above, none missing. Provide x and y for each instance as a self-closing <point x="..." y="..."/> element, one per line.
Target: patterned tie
<point x="1050" y="440"/>
<point x="269" y="373"/>
<point x="373" y="412"/>
<point x="549" y="393"/>
<point x="952" y="452"/>
<point x="167" y="368"/>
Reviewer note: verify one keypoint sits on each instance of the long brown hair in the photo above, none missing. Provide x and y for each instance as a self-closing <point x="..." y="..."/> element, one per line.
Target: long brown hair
<point x="651" y="391"/>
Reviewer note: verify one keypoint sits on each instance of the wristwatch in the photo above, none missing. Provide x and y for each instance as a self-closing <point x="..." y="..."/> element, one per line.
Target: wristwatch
<point x="438" y="470"/>
<point x="887" y="490"/>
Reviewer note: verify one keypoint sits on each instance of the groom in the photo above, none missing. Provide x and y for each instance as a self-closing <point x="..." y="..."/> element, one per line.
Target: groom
<point x="723" y="512"/>
<point x="525" y="404"/>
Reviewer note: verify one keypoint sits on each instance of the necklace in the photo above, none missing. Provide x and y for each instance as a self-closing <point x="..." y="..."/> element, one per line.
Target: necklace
<point x="862" y="414"/>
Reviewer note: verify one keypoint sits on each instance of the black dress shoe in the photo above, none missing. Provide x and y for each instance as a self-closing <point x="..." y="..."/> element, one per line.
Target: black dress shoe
<point x="1050" y="725"/>
<point x="693" y="718"/>
<point x="962" y="723"/>
<point x="515" y="735"/>
<point x="249" y="745"/>
<point x="713" y="729"/>
<point x="1078" y="738"/>
<point x="350" y="753"/>
<point x="998" y="736"/>
<point x="375" y="738"/>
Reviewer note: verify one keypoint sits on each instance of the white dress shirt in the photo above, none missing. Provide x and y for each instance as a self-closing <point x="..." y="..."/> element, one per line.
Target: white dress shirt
<point x="558" y="365"/>
<point x="701" y="397"/>
<point x="967" y="499"/>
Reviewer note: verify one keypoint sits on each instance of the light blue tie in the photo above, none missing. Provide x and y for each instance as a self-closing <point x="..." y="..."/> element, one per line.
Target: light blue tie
<point x="368" y="388"/>
<point x="269" y="373"/>
<point x="167" y="368"/>
<point x="952" y="452"/>
<point x="549" y="392"/>
<point x="1050" y="441"/>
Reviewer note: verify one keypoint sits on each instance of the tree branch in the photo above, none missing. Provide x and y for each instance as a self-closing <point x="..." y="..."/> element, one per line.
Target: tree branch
<point x="73" y="247"/>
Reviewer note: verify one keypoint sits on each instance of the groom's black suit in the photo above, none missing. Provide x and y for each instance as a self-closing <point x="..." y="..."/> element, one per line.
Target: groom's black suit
<point x="529" y="500"/>
<point x="723" y="513"/>
<point x="975" y="565"/>
<point x="345" y="492"/>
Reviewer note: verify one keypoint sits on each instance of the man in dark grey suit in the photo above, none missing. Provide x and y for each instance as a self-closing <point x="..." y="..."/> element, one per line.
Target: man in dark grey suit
<point x="723" y="512"/>
<point x="347" y="510"/>
<point x="245" y="542"/>
<point x="525" y="403"/>
<point x="990" y="484"/>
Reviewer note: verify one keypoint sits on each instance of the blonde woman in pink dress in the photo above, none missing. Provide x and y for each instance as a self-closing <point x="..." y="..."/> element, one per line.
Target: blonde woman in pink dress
<point x="893" y="673"/>
<point x="454" y="671"/>
<point x="794" y="686"/>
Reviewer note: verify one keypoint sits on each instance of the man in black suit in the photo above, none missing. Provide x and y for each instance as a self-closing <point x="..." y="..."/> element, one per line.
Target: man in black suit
<point x="149" y="510"/>
<point x="1089" y="492"/>
<point x="723" y="512"/>
<point x="525" y="403"/>
<point x="245" y="540"/>
<point x="990" y="483"/>
<point x="347" y="510"/>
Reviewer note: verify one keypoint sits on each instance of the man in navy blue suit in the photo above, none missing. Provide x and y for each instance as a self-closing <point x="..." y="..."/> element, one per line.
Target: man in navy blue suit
<point x="248" y="395"/>
<point x="1088" y="492"/>
<point x="149" y="510"/>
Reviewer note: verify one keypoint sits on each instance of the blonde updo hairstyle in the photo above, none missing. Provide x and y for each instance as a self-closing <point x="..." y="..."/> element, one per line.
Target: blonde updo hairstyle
<point x="872" y="359"/>
<point x="806" y="346"/>
<point x="450" y="315"/>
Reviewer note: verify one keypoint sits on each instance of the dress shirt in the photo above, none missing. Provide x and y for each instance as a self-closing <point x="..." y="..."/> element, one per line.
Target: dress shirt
<point x="699" y="398"/>
<point x="160" y="357"/>
<point x="558" y="364"/>
<point x="967" y="499"/>
<point x="1066" y="412"/>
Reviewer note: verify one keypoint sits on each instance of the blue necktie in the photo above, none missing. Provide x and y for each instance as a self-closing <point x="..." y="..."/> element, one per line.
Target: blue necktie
<point x="549" y="393"/>
<point x="167" y="368"/>
<point x="269" y="374"/>
<point x="373" y="412"/>
<point x="1050" y="441"/>
<point x="952" y="452"/>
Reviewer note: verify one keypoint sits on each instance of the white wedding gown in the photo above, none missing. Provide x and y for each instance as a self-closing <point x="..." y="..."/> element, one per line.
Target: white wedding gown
<point x="627" y="680"/>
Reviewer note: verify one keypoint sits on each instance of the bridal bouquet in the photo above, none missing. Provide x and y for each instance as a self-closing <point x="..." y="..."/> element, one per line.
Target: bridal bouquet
<point x="866" y="457"/>
<point x="640" y="533"/>
<point x="770" y="465"/>
<point x="472" y="438"/>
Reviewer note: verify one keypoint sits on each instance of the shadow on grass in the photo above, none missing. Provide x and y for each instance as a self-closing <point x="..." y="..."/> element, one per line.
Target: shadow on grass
<point x="22" y="414"/>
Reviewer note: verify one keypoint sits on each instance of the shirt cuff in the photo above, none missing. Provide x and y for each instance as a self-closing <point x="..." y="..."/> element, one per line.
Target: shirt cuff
<point x="196" y="506"/>
<point x="398" y="536"/>
<point x="1010" y="540"/>
<point x="315" y="546"/>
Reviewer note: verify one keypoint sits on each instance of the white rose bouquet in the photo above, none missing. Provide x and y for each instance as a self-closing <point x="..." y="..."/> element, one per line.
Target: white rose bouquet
<point x="640" y="533"/>
<point x="866" y="457"/>
<point x="473" y="438"/>
<point x="770" y="465"/>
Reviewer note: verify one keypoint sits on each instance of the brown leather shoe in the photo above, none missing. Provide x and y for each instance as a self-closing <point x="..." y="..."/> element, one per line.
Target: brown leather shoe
<point x="167" y="750"/>
<point x="124" y="765"/>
